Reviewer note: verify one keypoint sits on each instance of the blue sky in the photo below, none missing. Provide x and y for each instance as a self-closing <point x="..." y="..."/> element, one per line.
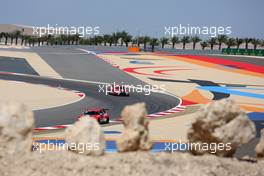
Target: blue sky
<point x="139" y="16"/>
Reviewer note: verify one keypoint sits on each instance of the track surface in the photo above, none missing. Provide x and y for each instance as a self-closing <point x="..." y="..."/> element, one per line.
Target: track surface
<point x="74" y="64"/>
<point x="18" y="65"/>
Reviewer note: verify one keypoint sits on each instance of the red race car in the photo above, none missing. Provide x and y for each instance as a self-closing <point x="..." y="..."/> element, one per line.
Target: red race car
<point x="119" y="90"/>
<point x="99" y="114"/>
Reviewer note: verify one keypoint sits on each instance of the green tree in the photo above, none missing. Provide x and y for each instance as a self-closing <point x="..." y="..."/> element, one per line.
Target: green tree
<point x="22" y="39"/>
<point x="6" y="35"/>
<point x="106" y="39"/>
<point x="145" y="41"/>
<point x="247" y="41"/>
<point x="134" y="41"/>
<point x="164" y="41"/>
<point x="221" y="39"/>
<point x="140" y="40"/>
<point x="175" y="40"/>
<point x="238" y="42"/>
<point x="1" y="36"/>
<point x="195" y="40"/>
<point x="185" y="40"/>
<point x="127" y="39"/>
<point x="204" y="44"/>
<point x="255" y="43"/>
<point x="17" y="34"/>
<point x="153" y="42"/>
<point x="115" y="38"/>
<point x="12" y="36"/>
<point x="212" y="42"/>
<point x="262" y="43"/>
<point x="230" y="42"/>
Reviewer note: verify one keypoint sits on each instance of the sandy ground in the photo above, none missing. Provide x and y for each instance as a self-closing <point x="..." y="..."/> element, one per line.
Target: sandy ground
<point x="35" y="96"/>
<point x="35" y="61"/>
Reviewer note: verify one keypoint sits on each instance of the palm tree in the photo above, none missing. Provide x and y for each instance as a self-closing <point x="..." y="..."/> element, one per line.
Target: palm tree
<point x="6" y="35"/>
<point x="25" y="40"/>
<point x="33" y="40"/>
<point x="204" y="44"/>
<point x="195" y="40"/>
<point x="140" y="40"/>
<point x="134" y="41"/>
<point x="247" y="41"/>
<point x="164" y="41"/>
<point x="62" y="39"/>
<point x="230" y="42"/>
<point x="262" y="43"/>
<point x="221" y="39"/>
<point x="175" y="40"/>
<point x="12" y="36"/>
<point x="22" y="39"/>
<point x="71" y="39"/>
<point x="76" y="39"/>
<point x="115" y="38"/>
<point x="17" y="34"/>
<point x="255" y="43"/>
<point x="124" y="36"/>
<point x="185" y="40"/>
<point x="212" y="41"/>
<point x="127" y="39"/>
<point x="106" y="39"/>
<point x="145" y="40"/>
<point x="153" y="42"/>
<point x="111" y="40"/>
<point x="98" y="40"/>
<point x="238" y="42"/>
<point x="1" y="36"/>
<point x="49" y="39"/>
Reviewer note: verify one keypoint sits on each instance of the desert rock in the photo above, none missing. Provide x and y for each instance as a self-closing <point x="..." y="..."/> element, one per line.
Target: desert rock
<point x="223" y="124"/>
<point x="85" y="137"/>
<point x="136" y="134"/>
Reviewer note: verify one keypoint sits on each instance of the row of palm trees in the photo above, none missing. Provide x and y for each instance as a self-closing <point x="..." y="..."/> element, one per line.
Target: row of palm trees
<point x="31" y="40"/>
<point x="124" y="38"/>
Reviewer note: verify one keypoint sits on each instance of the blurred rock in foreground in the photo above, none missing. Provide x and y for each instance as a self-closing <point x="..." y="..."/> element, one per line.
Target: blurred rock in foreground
<point x="16" y="129"/>
<point x="85" y="137"/>
<point x="136" y="133"/>
<point x="223" y="126"/>
<point x="260" y="147"/>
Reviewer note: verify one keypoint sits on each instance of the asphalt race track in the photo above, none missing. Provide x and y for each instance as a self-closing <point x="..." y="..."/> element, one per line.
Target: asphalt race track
<point x="18" y="65"/>
<point x="74" y="64"/>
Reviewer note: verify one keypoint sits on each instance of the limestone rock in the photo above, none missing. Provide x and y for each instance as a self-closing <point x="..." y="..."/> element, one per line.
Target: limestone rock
<point x="136" y="134"/>
<point x="260" y="147"/>
<point x="85" y="137"/>
<point x="16" y="129"/>
<point x="223" y="124"/>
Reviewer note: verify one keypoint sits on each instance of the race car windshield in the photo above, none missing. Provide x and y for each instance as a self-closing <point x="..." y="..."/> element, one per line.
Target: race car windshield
<point x="91" y="113"/>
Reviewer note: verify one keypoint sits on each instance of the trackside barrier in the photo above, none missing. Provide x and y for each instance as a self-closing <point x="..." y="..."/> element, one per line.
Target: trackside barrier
<point x="250" y="52"/>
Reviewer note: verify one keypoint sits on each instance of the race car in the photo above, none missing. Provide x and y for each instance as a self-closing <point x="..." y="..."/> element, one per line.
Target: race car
<point x="118" y="90"/>
<point x="99" y="114"/>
